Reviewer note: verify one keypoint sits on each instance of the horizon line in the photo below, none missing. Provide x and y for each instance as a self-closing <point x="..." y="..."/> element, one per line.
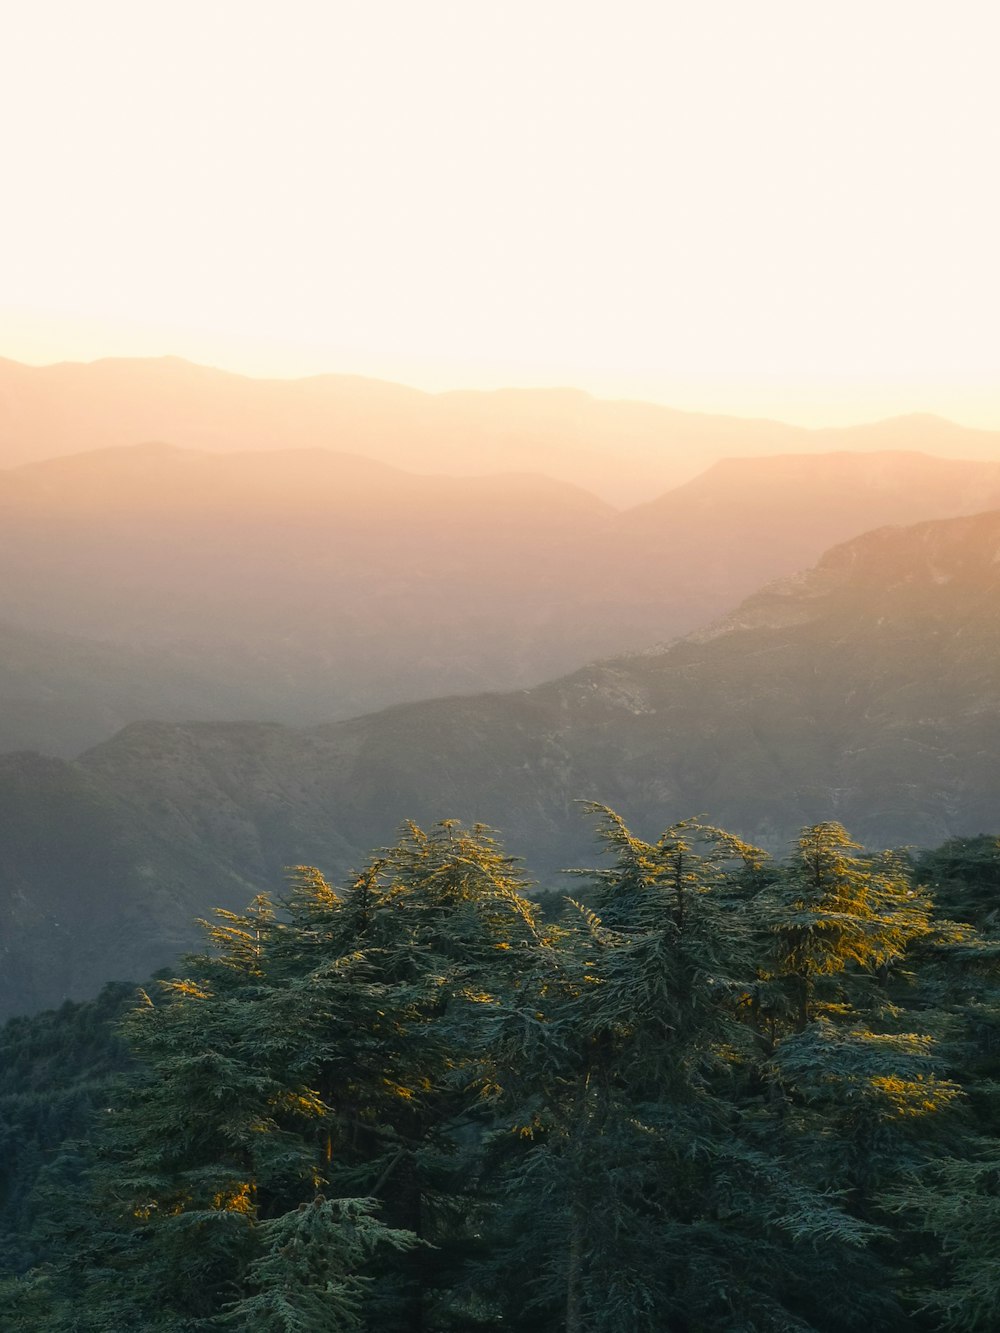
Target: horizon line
<point x="512" y="388"/>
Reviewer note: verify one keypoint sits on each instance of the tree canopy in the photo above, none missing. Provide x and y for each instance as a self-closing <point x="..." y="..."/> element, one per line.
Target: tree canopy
<point x="715" y="1091"/>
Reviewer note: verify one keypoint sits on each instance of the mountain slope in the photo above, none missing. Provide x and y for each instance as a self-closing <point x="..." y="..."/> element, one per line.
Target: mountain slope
<point x="866" y="690"/>
<point x="302" y="586"/>
<point x="62" y="693"/>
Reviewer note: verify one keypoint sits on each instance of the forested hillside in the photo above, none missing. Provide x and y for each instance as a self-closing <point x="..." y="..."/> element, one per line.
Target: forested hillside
<point x="722" y="1092"/>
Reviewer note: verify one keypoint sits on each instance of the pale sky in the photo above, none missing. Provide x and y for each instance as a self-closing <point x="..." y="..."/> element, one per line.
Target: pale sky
<point x="781" y="207"/>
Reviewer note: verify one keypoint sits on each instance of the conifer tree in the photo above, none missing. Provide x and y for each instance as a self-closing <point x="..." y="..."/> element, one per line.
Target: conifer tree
<point x="334" y="1046"/>
<point x="728" y="1094"/>
<point x="646" y="1146"/>
<point x="946" y="1208"/>
<point x="862" y="1079"/>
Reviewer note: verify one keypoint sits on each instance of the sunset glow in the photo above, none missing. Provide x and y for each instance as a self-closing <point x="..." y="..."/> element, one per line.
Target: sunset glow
<point x="782" y="209"/>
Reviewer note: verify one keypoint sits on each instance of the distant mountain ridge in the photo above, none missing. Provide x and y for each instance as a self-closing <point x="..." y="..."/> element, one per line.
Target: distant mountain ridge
<point x="302" y="586"/>
<point x="866" y="689"/>
<point x="625" y="451"/>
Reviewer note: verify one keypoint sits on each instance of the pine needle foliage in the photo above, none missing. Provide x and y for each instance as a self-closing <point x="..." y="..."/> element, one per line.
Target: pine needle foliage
<point x="719" y="1092"/>
<point x="307" y="1275"/>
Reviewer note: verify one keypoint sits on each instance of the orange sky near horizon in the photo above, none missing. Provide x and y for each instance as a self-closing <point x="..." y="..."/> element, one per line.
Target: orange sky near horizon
<point x="784" y="209"/>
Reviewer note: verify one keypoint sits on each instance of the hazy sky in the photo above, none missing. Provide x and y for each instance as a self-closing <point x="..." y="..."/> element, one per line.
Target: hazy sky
<point x="780" y="206"/>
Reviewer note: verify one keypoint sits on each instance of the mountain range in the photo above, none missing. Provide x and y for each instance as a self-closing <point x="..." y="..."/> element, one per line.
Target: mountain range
<point x="624" y="451"/>
<point x="304" y="586"/>
<point x="866" y="689"/>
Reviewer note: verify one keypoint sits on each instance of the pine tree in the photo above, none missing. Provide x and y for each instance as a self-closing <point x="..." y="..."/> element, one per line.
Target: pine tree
<point x="336" y="1047"/>
<point x="307" y="1276"/>
<point x="862" y="1079"/>
<point x="725" y="1094"/>
<point x="946" y="1208"/>
<point x="647" y="1192"/>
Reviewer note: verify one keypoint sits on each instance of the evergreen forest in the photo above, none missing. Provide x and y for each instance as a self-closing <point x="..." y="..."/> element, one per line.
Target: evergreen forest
<point x="707" y="1091"/>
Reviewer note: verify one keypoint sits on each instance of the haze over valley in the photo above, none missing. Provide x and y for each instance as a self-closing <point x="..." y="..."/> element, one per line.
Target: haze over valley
<point x="303" y="585"/>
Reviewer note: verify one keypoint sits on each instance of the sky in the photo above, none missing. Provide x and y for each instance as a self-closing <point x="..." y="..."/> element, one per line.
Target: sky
<point x="770" y="207"/>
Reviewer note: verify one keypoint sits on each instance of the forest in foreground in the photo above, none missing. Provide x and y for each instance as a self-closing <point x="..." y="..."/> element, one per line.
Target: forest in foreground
<point x="711" y="1091"/>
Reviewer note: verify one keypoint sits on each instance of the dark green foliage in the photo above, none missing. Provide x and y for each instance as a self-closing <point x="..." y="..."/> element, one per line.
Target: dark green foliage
<point x="958" y="1203"/>
<point x="332" y="1051"/>
<point x="655" y="1130"/>
<point x="947" y="1207"/>
<point x="57" y="1073"/>
<point x="307" y="1273"/>
<point x="721" y="1093"/>
<point x="964" y="876"/>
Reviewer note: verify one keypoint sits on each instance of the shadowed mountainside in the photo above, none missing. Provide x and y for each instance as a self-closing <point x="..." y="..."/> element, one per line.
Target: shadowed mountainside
<point x="865" y="690"/>
<point x="61" y="693"/>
